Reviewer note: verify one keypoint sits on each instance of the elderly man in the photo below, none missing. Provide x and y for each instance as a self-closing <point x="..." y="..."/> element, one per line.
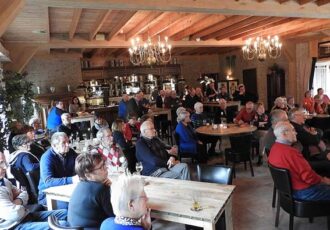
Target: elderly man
<point x="133" y="106"/>
<point x="199" y="118"/>
<point x="306" y="184"/>
<point x="13" y="214"/>
<point x="313" y="146"/>
<point x="156" y="158"/>
<point x="223" y="113"/>
<point x="71" y="130"/>
<point x="57" y="166"/>
<point x="54" y="116"/>
<point x="246" y="114"/>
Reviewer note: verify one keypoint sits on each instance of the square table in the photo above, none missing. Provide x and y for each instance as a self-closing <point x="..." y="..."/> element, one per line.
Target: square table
<point x="171" y="200"/>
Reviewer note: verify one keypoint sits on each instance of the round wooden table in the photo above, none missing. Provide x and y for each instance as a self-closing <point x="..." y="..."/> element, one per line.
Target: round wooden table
<point x="232" y="129"/>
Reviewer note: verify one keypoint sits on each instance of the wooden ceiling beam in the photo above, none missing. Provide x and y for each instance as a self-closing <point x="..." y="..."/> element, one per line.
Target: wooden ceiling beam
<point x="282" y="1"/>
<point x="263" y="28"/>
<point x="322" y="2"/>
<point x="308" y="27"/>
<point x="238" y="25"/>
<point x="207" y="21"/>
<point x="230" y="7"/>
<point x="220" y="25"/>
<point x="125" y="19"/>
<point x="9" y="11"/>
<point x="98" y="23"/>
<point x="142" y="25"/>
<point x="74" y="22"/>
<point x="303" y="2"/>
<point x="182" y="24"/>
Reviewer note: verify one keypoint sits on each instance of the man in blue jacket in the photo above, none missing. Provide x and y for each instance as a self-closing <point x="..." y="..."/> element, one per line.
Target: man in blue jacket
<point x="57" y="166"/>
<point x="54" y="116"/>
<point x="157" y="159"/>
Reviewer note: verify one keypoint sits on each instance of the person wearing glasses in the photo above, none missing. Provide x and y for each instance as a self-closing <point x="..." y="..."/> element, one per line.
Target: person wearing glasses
<point x="129" y="203"/>
<point x="306" y="183"/>
<point x="158" y="159"/>
<point x="90" y="201"/>
<point x="14" y="214"/>
<point x="22" y="158"/>
<point x="246" y="114"/>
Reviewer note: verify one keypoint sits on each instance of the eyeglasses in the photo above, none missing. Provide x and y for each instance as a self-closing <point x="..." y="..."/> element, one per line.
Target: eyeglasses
<point x="141" y="197"/>
<point x="3" y="165"/>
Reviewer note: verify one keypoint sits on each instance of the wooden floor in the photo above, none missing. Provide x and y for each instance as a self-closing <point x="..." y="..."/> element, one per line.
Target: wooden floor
<point x="252" y="205"/>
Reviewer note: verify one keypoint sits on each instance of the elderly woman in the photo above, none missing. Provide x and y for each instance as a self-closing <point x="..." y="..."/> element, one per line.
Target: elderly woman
<point x="280" y="103"/>
<point x="308" y="102"/>
<point x="22" y="158"/>
<point x="110" y="150"/>
<point x="189" y="142"/>
<point x="199" y="118"/>
<point x="129" y="202"/>
<point x="90" y="204"/>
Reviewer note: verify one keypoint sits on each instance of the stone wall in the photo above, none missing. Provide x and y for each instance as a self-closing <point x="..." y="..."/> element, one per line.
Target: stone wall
<point x="54" y="70"/>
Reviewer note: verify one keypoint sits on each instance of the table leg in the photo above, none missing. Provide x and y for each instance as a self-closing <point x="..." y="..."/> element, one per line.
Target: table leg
<point x="228" y="216"/>
<point x="51" y="203"/>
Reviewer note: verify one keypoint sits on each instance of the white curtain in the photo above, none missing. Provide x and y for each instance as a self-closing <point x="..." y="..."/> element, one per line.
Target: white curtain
<point x="322" y="78"/>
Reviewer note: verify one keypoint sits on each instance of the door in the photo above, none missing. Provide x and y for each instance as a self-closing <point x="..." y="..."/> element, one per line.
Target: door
<point x="275" y="86"/>
<point x="250" y="80"/>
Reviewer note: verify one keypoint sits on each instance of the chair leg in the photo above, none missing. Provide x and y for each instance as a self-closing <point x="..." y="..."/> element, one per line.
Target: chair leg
<point x="251" y="167"/>
<point x="291" y="222"/>
<point x="277" y="217"/>
<point x="274" y="197"/>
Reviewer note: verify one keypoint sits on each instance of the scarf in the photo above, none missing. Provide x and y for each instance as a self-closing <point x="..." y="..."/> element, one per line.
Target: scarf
<point x="126" y="221"/>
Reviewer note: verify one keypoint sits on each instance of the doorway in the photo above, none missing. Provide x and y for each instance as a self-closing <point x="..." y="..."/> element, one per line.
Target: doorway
<point x="250" y="80"/>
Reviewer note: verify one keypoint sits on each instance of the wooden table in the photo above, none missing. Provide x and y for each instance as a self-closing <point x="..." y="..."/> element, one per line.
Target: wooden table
<point x="82" y="118"/>
<point x="159" y="111"/>
<point x="232" y="129"/>
<point x="310" y="116"/>
<point x="171" y="200"/>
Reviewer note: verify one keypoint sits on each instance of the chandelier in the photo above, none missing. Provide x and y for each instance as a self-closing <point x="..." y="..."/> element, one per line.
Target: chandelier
<point x="148" y="52"/>
<point x="260" y="48"/>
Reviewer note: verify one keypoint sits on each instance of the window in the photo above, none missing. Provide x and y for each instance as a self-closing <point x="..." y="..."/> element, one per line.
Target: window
<point x="322" y="77"/>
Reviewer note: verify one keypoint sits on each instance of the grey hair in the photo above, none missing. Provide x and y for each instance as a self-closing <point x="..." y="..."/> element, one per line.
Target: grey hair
<point x="100" y="133"/>
<point x="179" y="110"/>
<point x="197" y="104"/>
<point x="56" y="137"/>
<point x="293" y="112"/>
<point x="33" y="120"/>
<point x="20" y="140"/>
<point x="280" y="128"/>
<point x="279" y="99"/>
<point x="123" y="191"/>
<point x="277" y="115"/>
<point x="182" y="116"/>
<point x="145" y="126"/>
<point x="65" y="115"/>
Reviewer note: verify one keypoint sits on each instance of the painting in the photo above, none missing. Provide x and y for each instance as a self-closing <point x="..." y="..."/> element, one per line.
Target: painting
<point x="233" y="84"/>
<point x="223" y="84"/>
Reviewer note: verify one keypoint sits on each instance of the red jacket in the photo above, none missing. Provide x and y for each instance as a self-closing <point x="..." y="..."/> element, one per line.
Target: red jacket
<point x="245" y="116"/>
<point x="128" y="134"/>
<point x="285" y="156"/>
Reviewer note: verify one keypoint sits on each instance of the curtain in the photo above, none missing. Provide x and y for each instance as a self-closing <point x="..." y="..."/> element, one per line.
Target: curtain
<point x="304" y="66"/>
<point x="322" y="78"/>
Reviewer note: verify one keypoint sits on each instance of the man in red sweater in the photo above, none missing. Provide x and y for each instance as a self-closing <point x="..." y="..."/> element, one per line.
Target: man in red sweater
<point x="306" y="184"/>
<point x="246" y="114"/>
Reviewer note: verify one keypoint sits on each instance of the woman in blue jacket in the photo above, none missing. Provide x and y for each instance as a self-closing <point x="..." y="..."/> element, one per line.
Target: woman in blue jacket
<point x="189" y="142"/>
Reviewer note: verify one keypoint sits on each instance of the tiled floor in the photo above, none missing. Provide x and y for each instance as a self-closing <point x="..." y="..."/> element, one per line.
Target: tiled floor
<point x="252" y="205"/>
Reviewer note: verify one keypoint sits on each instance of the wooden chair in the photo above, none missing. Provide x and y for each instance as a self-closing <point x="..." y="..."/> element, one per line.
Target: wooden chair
<point x="298" y="208"/>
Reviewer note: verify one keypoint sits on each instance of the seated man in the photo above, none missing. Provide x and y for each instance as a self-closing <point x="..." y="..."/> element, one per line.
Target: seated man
<point x="223" y="113"/>
<point x="71" y="130"/>
<point x="306" y="184"/>
<point x="57" y="166"/>
<point x="13" y="214"/>
<point x="90" y="201"/>
<point x="246" y="114"/>
<point x="157" y="160"/>
<point x="199" y="118"/>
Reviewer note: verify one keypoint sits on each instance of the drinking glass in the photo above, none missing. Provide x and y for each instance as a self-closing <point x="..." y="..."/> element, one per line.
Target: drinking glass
<point x="138" y="167"/>
<point x="196" y="206"/>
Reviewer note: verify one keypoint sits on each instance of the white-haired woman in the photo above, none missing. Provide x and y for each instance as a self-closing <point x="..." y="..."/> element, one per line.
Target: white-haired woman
<point x="280" y="103"/>
<point x="129" y="203"/>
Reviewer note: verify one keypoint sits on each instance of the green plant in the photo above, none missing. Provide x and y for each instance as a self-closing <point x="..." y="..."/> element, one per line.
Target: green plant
<point x="16" y="102"/>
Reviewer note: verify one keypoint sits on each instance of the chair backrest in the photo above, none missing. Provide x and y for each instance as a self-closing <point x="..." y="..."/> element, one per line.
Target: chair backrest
<point x="267" y="151"/>
<point x="220" y="174"/>
<point x="55" y="225"/>
<point x="19" y="176"/>
<point x="176" y="138"/>
<point x="282" y="180"/>
<point x="33" y="179"/>
<point x="241" y="143"/>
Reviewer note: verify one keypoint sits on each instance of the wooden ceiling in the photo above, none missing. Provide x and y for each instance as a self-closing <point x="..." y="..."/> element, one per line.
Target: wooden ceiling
<point x="194" y="27"/>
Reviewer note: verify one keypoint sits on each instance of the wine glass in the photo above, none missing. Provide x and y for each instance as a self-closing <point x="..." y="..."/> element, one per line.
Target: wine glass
<point x="138" y="167"/>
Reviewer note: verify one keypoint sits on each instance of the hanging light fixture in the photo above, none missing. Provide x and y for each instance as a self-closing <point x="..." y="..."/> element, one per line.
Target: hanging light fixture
<point x="260" y="48"/>
<point x="150" y="53"/>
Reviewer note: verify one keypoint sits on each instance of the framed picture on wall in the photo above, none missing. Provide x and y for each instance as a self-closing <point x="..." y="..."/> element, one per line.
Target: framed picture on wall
<point x="232" y="84"/>
<point x="223" y="84"/>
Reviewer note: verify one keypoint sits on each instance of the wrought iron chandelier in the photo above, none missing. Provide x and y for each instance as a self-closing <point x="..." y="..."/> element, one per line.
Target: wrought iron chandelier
<point x="150" y="53"/>
<point x="260" y="48"/>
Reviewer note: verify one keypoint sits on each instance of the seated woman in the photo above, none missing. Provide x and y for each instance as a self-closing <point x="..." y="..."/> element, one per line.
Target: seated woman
<point x="22" y="158"/>
<point x="129" y="203"/>
<point x="110" y="150"/>
<point x="308" y="102"/>
<point x="90" y="203"/>
<point x="37" y="148"/>
<point x="291" y="103"/>
<point x="189" y="142"/>
<point x="75" y="106"/>
<point x="131" y="128"/>
<point x="127" y="147"/>
<point x="280" y="103"/>
<point x="320" y="107"/>
<point x="99" y="123"/>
